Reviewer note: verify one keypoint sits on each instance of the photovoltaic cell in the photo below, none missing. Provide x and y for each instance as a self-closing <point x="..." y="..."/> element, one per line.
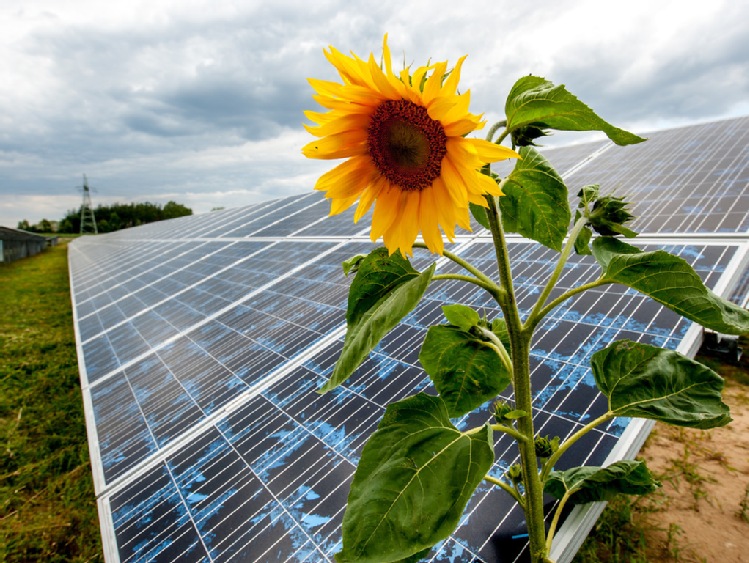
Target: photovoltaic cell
<point x="202" y="341"/>
<point x="691" y="179"/>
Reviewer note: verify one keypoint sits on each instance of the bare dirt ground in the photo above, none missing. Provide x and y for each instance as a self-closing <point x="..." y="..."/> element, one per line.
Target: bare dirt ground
<point x="701" y="513"/>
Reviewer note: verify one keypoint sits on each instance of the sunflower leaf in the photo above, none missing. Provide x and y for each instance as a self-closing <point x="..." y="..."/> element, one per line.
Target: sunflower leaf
<point x="414" y="479"/>
<point x="461" y="316"/>
<point x="377" y="274"/>
<point x="479" y="213"/>
<point x="386" y="288"/>
<point x="650" y="382"/>
<point x="534" y="203"/>
<point x="670" y="281"/>
<point x="591" y="484"/>
<point x="465" y="370"/>
<point x="535" y="103"/>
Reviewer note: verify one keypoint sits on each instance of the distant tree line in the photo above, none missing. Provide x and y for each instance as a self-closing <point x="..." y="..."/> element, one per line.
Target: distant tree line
<point x="111" y="218"/>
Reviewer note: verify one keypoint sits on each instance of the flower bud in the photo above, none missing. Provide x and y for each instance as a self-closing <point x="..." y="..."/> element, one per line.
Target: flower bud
<point x="545" y="446"/>
<point x="608" y="216"/>
<point x="501" y="410"/>
<point x="525" y="136"/>
<point x="515" y="473"/>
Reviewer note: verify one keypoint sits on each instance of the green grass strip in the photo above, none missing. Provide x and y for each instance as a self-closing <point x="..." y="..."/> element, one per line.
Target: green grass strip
<point x="47" y="504"/>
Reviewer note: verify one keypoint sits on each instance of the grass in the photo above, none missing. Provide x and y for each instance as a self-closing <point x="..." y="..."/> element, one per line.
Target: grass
<point x="47" y="504"/>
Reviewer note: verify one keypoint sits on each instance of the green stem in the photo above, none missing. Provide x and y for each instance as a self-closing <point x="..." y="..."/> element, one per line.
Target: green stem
<point x="520" y="351"/>
<point x="502" y="138"/>
<point x="498" y="346"/>
<point x="555" y="521"/>
<point x="491" y="289"/>
<point x="467" y="267"/>
<point x="509" y="430"/>
<point x="513" y="493"/>
<point x="494" y="128"/>
<point x="570" y="293"/>
<point x="535" y="316"/>
<point x="549" y="465"/>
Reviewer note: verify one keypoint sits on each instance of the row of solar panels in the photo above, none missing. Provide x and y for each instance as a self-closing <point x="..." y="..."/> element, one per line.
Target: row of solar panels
<point x="202" y="339"/>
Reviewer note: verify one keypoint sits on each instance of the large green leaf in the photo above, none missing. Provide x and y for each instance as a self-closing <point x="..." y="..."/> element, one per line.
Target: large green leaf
<point x="590" y="484"/>
<point x="377" y="274"/>
<point x="650" y="382"/>
<point x="415" y="476"/>
<point x="465" y="370"/>
<point x="536" y="102"/>
<point x="672" y="282"/>
<point x="384" y="291"/>
<point x="461" y="316"/>
<point x="535" y="201"/>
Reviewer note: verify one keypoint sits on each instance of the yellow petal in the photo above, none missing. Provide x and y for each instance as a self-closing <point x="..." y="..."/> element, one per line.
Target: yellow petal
<point x="454" y="183"/>
<point x="451" y="84"/>
<point x="462" y="219"/>
<point x="339" y="205"/>
<point x="385" y="211"/>
<point x="491" y="152"/>
<point x="430" y="231"/>
<point x="461" y="127"/>
<point x="418" y="77"/>
<point x="347" y="179"/>
<point x="346" y="92"/>
<point x="383" y="83"/>
<point x="443" y="205"/>
<point x="386" y="55"/>
<point x="349" y="122"/>
<point x="343" y="145"/>
<point x="409" y="221"/>
<point x="319" y="117"/>
<point x="473" y="180"/>
<point x="439" y="107"/>
<point x="368" y="196"/>
<point x="434" y="83"/>
<point x="349" y="68"/>
<point x="459" y="111"/>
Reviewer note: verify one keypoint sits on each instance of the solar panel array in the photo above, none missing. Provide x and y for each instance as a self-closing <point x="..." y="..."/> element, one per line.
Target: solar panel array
<point x="202" y="340"/>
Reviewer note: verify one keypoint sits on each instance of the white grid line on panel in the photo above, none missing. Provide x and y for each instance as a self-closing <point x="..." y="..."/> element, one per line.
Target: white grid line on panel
<point x="186" y="507"/>
<point x="202" y="322"/>
<point x="742" y="156"/>
<point x="256" y="388"/>
<point x="185" y="289"/>
<point x="156" y="267"/>
<point x="138" y="274"/>
<point x="290" y="202"/>
<point x="126" y="259"/>
<point x="709" y="194"/>
<point x="587" y="160"/>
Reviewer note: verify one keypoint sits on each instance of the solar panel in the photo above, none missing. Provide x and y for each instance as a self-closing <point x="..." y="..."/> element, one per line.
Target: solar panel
<point x="202" y="340"/>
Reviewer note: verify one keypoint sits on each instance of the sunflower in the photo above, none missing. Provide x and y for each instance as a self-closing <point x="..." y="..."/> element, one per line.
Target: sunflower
<point x="404" y="140"/>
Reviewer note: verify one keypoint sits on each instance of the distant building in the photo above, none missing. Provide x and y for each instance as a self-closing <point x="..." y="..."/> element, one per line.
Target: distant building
<point x="15" y="244"/>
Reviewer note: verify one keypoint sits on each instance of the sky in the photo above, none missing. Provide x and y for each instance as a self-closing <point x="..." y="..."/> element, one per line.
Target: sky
<point x="201" y="101"/>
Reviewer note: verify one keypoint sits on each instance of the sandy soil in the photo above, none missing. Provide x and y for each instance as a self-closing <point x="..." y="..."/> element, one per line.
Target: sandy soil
<point x="702" y="511"/>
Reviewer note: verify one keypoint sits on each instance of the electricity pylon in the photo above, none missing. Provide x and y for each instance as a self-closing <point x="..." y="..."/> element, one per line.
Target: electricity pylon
<point x="88" y="221"/>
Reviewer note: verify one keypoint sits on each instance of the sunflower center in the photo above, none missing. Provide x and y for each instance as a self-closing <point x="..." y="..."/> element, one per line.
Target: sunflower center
<point x="406" y="145"/>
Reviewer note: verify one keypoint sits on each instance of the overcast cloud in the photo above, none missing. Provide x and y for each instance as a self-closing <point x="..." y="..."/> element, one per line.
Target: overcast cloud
<point x="201" y="101"/>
